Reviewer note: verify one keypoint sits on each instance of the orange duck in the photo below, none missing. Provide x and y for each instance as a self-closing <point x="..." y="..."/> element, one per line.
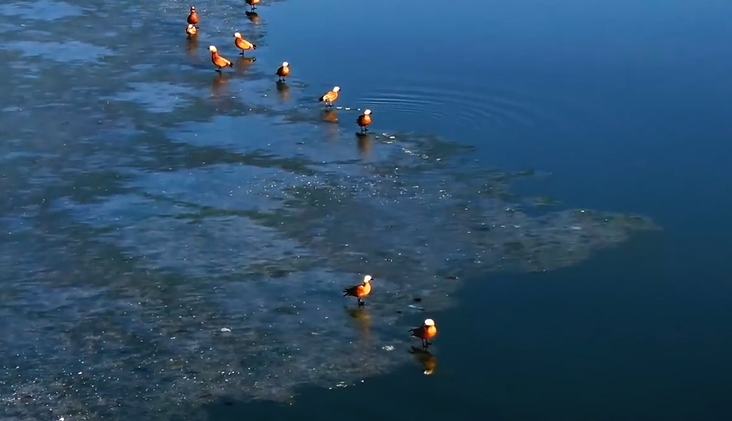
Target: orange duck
<point x="243" y="44"/>
<point x="253" y="3"/>
<point x="191" y="30"/>
<point x="283" y="71"/>
<point x="364" y="120"/>
<point x="330" y="96"/>
<point x="359" y="291"/>
<point x="217" y="60"/>
<point x="193" y="16"/>
<point x="427" y="331"/>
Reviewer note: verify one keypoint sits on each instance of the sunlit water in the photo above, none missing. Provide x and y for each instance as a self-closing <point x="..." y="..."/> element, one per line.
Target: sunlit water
<point x="172" y="236"/>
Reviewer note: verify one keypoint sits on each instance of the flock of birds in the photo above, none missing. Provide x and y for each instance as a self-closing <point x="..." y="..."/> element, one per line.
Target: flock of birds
<point x="221" y="62"/>
<point x="428" y="330"/>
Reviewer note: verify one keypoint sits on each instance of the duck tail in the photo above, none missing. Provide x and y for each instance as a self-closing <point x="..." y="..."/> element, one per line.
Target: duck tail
<point x="254" y="46"/>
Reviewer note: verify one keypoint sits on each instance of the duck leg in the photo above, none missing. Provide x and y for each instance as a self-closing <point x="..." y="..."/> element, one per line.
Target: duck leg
<point x="360" y="302"/>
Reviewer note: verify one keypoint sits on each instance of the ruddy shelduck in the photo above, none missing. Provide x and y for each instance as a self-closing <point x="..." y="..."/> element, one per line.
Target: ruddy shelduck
<point x="283" y="71"/>
<point x="364" y="120"/>
<point x="359" y="291"/>
<point x="243" y="44"/>
<point x="191" y="30"/>
<point x="217" y="60"/>
<point x="330" y="96"/>
<point x="253" y="3"/>
<point x="193" y="16"/>
<point x="427" y="331"/>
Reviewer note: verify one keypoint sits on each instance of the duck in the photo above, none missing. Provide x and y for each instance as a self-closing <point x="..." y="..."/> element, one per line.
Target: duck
<point x="191" y="30"/>
<point x="427" y="331"/>
<point x="330" y="96"/>
<point x="193" y="16"/>
<point x="253" y="3"/>
<point x="243" y="44"/>
<point x="283" y="71"/>
<point x="217" y="60"/>
<point x="359" y="291"/>
<point x="364" y="120"/>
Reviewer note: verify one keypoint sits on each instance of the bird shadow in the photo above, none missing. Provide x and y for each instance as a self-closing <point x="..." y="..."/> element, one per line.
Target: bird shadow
<point x="363" y="141"/>
<point x="243" y="63"/>
<point x="425" y="358"/>
<point x="218" y="83"/>
<point x="253" y="17"/>
<point x="329" y="115"/>
<point x="283" y="90"/>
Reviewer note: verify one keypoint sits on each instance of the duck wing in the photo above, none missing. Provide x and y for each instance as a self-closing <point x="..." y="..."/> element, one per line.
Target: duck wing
<point x="351" y="291"/>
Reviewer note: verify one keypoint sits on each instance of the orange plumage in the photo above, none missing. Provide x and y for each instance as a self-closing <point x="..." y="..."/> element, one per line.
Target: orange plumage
<point x="364" y="120"/>
<point x="217" y="60"/>
<point x="427" y="331"/>
<point x="243" y="44"/>
<point x="330" y="96"/>
<point x="359" y="291"/>
<point x="193" y="16"/>
<point x="283" y="71"/>
<point x="253" y="3"/>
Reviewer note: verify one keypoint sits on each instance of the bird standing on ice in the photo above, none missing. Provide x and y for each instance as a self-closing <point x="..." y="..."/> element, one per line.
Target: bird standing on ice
<point x="364" y="120"/>
<point x="330" y="96"/>
<point x="243" y="44"/>
<point x="283" y="71"/>
<point x="193" y="16"/>
<point x="427" y="331"/>
<point x="191" y="30"/>
<point x="253" y="3"/>
<point x="217" y="60"/>
<point x="359" y="291"/>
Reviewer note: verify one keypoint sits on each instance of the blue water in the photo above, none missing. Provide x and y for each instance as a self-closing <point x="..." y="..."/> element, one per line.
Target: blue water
<point x="546" y="180"/>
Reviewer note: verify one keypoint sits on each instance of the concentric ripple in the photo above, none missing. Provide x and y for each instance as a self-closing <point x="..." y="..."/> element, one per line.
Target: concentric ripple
<point x="456" y="101"/>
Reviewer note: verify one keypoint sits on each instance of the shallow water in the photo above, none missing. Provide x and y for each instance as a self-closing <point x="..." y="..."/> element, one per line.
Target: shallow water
<point x="175" y="241"/>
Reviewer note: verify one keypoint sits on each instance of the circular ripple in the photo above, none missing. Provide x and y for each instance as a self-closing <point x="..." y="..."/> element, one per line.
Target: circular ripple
<point x="456" y="101"/>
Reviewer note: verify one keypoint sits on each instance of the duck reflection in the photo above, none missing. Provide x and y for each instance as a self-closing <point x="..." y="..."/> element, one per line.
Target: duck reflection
<point x="283" y="90"/>
<point x="218" y="83"/>
<point x="425" y="358"/>
<point x="362" y="318"/>
<point x="243" y="63"/>
<point x="191" y="46"/>
<point x="364" y="143"/>
<point x="253" y="17"/>
<point x="330" y="115"/>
